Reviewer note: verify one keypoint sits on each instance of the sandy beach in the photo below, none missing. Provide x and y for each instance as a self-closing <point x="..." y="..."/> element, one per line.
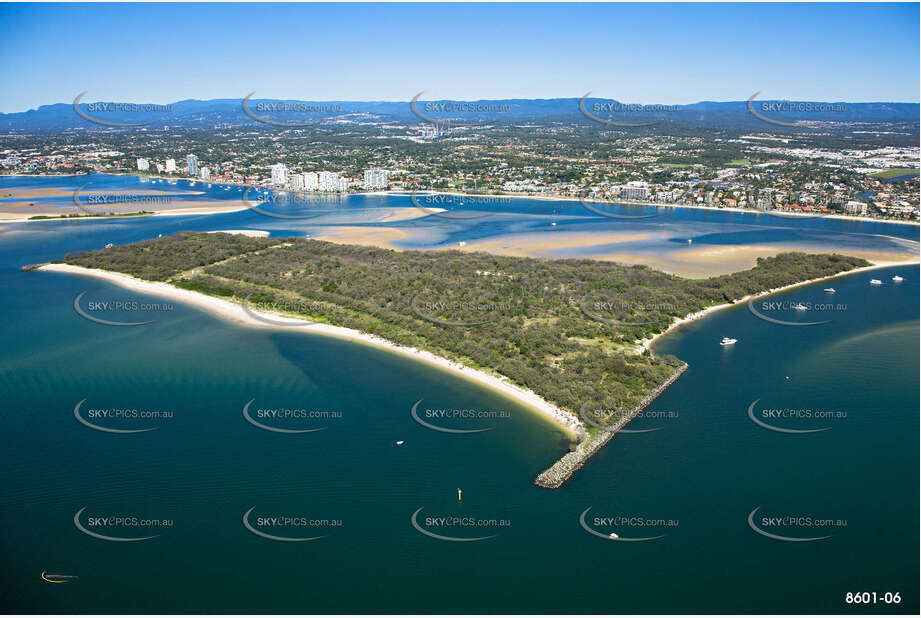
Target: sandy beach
<point x="713" y="261"/>
<point x="538" y="245"/>
<point x="232" y="312"/>
<point x="251" y="233"/>
<point x="381" y="237"/>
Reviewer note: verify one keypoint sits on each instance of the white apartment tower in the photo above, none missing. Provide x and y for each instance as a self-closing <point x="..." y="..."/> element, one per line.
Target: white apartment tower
<point x="375" y="179"/>
<point x="170" y="165"/>
<point x="279" y="175"/>
<point x="329" y="181"/>
<point x="635" y="190"/>
<point x="143" y="165"/>
<point x="192" y="162"/>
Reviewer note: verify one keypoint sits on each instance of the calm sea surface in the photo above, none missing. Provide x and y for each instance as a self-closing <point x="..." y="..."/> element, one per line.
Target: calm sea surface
<point x="690" y="486"/>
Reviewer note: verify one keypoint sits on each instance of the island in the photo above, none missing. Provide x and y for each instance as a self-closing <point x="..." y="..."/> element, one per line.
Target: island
<point x="562" y="336"/>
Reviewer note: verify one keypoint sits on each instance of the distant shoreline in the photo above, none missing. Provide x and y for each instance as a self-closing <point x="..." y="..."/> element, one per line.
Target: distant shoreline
<point x="404" y="192"/>
<point x="559" y="198"/>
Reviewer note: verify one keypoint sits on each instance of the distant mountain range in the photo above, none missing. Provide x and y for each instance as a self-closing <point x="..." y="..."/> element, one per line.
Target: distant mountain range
<point x="229" y="113"/>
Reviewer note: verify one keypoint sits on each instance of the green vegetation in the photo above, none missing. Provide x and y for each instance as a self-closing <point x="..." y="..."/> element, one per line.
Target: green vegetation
<point x="893" y="172"/>
<point x="139" y="213"/>
<point x="740" y="162"/>
<point x="538" y="322"/>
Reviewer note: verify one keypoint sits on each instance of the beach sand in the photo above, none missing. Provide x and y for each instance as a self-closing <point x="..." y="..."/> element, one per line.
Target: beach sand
<point x="232" y="312"/>
<point x="252" y="233"/>
<point x="381" y="237"/>
<point x="542" y="244"/>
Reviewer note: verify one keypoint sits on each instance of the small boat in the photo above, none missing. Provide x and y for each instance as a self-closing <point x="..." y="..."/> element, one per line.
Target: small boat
<point x="800" y="307"/>
<point x="830" y="290"/>
<point x="875" y="282"/>
<point x="553" y="224"/>
<point x="462" y="243"/>
<point x="399" y="442"/>
<point x="109" y="245"/>
<point x="613" y="535"/>
<point x="690" y="241"/>
<point x="897" y="279"/>
<point x="728" y="341"/>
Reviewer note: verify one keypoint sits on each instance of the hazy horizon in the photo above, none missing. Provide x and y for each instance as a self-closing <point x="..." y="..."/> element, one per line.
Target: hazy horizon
<point x="357" y="52"/>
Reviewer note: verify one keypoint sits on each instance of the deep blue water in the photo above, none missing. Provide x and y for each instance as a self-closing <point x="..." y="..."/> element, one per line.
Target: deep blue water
<point x="694" y="480"/>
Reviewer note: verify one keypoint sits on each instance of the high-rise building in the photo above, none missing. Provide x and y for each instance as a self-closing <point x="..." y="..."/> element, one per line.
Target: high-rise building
<point x="279" y="175"/>
<point x="344" y="185"/>
<point x="311" y="181"/>
<point x="375" y="179"/>
<point x="296" y="182"/>
<point x="205" y="173"/>
<point x="170" y="165"/>
<point x="329" y="181"/>
<point x="635" y="190"/>
<point x="192" y="162"/>
<point x="143" y="165"/>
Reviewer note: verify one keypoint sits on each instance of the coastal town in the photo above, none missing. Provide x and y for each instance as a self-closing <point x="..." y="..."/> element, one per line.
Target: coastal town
<point x="798" y="173"/>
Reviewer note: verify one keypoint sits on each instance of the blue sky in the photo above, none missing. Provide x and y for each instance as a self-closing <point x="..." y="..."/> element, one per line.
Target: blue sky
<point x="637" y="53"/>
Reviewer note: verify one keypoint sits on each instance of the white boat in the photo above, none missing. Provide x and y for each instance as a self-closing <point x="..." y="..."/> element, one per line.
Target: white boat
<point x="800" y="307"/>
<point x="728" y="341"/>
<point x="830" y="290"/>
<point x="897" y="278"/>
<point x="109" y="245"/>
<point x="875" y="282"/>
<point x="613" y="535"/>
<point x="399" y="442"/>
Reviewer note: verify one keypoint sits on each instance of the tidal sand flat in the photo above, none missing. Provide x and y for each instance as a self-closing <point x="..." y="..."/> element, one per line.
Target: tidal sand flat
<point x="543" y="244"/>
<point x="548" y="329"/>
